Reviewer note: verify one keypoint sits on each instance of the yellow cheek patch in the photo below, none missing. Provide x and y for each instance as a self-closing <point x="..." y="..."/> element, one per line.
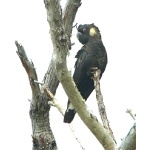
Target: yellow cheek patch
<point x="92" y="31"/>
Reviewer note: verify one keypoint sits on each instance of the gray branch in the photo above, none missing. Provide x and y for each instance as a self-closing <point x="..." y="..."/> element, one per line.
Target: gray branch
<point x="42" y="135"/>
<point x="59" y="36"/>
<point x="100" y="102"/>
<point x="30" y="70"/>
<point x="131" y="114"/>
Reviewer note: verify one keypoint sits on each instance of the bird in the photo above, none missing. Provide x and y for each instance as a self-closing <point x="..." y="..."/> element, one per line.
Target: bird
<point x="92" y="54"/>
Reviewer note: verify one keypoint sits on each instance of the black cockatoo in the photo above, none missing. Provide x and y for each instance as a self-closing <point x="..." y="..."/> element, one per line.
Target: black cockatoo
<point x="92" y="54"/>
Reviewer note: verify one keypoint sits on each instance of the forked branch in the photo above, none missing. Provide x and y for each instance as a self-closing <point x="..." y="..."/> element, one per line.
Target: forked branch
<point x="60" y="40"/>
<point x="39" y="109"/>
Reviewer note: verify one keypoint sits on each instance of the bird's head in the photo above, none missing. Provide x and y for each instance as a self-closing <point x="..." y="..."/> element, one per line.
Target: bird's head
<point x="87" y="32"/>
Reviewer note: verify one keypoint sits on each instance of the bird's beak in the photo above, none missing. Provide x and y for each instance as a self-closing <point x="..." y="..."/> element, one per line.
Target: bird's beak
<point x="78" y="35"/>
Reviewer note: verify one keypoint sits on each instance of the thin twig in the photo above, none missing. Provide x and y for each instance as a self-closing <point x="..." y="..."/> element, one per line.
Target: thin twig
<point x="100" y="102"/>
<point x="75" y="25"/>
<point x="53" y="100"/>
<point x="38" y="82"/>
<point x="131" y="114"/>
<point x="78" y="140"/>
<point x="72" y="44"/>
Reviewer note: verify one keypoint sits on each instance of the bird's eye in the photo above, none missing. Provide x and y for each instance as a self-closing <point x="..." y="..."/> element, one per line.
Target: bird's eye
<point x="84" y="30"/>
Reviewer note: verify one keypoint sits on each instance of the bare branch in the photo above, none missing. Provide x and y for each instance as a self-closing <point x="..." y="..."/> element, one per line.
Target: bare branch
<point x="100" y="102"/>
<point x="53" y="100"/>
<point x="31" y="72"/>
<point x="28" y="65"/>
<point x="69" y="16"/>
<point x="131" y="113"/>
<point x="129" y="142"/>
<point x="61" y="47"/>
<point x="39" y="109"/>
<point x="70" y="13"/>
<point x="38" y="82"/>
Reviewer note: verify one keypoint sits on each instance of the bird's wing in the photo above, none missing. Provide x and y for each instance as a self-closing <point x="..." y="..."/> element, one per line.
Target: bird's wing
<point x="81" y="66"/>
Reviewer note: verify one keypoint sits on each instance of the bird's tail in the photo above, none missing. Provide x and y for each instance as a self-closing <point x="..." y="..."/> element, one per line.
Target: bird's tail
<point x="69" y="114"/>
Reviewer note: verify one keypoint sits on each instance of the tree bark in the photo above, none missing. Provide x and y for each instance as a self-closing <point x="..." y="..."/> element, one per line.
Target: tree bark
<point x="50" y="79"/>
<point x="43" y="138"/>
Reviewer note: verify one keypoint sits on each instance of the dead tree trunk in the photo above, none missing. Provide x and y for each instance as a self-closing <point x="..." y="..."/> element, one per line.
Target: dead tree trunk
<point x="42" y="135"/>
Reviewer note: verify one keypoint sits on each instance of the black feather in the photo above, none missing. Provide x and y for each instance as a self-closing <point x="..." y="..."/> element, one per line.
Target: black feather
<point x="92" y="54"/>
